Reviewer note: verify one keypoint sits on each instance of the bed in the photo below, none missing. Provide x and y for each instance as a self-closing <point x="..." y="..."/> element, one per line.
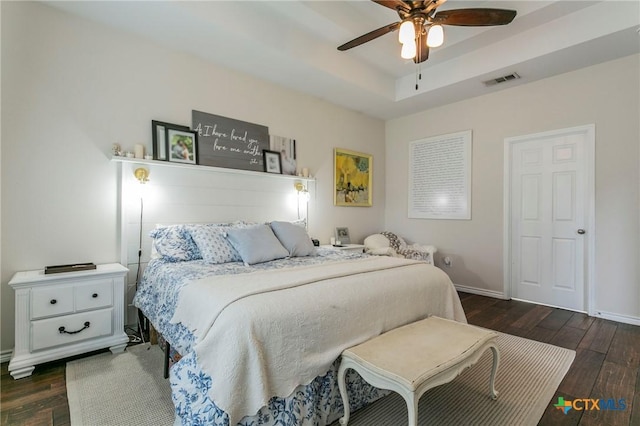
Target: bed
<point x="260" y="341"/>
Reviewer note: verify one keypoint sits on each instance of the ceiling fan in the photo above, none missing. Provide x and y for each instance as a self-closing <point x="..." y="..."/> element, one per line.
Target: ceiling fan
<point x="421" y="27"/>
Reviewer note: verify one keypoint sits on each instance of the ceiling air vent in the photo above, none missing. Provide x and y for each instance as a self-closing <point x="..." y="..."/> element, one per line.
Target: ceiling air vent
<point x="494" y="81"/>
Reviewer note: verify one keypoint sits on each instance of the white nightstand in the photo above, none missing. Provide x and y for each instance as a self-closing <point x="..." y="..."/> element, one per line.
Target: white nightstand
<point x="348" y="247"/>
<point x="65" y="314"/>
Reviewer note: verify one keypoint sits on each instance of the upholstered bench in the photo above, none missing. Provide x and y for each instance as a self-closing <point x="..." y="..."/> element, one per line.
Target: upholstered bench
<point x="417" y="357"/>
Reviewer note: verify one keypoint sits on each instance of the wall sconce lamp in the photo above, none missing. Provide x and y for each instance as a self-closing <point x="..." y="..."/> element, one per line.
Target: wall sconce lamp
<point x="142" y="174"/>
<point x="303" y="196"/>
<point x="302" y="190"/>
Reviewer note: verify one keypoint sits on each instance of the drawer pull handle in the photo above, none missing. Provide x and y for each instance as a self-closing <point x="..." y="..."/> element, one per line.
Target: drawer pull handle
<point x="63" y="331"/>
<point x="94" y="295"/>
<point x="53" y="301"/>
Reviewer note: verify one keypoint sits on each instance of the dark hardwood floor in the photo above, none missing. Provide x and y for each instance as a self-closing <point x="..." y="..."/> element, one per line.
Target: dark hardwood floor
<point x="607" y="366"/>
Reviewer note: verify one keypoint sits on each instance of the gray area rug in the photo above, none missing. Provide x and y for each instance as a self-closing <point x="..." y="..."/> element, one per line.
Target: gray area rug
<point x="128" y="389"/>
<point x="528" y="376"/>
<point x="121" y="389"/>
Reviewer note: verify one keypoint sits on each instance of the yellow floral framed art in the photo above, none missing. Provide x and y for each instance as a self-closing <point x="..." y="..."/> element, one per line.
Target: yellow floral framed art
<point x="352" y="178"/>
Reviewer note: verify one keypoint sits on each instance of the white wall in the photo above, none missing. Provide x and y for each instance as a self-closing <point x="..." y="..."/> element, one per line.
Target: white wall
<point x="607" y="95"/>
<point x="71" y="88"/>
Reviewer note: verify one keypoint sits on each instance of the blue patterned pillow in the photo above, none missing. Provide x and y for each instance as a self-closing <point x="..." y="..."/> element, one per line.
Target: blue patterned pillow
<point x="212" y="244"/>
<point x="174" y="243"/>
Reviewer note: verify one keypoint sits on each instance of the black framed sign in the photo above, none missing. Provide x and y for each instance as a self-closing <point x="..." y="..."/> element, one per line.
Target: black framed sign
<point x="230" y="143"/>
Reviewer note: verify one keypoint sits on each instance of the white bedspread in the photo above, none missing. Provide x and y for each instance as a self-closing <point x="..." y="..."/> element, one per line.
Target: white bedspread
<point x="262" y="334"/>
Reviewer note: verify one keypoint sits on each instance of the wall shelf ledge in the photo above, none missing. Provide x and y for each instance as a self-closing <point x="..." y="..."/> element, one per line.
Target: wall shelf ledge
<point x="205" y="169"/>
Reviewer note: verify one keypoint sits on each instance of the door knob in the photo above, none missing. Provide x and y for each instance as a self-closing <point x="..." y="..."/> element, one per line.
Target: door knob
<point x="581" y="231"/>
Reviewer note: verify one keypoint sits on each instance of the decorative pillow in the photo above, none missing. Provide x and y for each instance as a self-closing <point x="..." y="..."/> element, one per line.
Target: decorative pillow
<point x="174" y="243"/>
<point x="294" y="238"/>
<point x="256" y="244"/>
<point x="212" y="244"/>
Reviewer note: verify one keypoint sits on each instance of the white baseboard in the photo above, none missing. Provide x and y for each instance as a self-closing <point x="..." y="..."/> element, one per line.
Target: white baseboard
<point x="5" y="356"/>
<point x="481" y="291"/>
<point x="627" y="319"/>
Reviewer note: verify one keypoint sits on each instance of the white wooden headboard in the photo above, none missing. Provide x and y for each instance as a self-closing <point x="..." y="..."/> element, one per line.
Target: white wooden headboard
<point x="178" y="193"/>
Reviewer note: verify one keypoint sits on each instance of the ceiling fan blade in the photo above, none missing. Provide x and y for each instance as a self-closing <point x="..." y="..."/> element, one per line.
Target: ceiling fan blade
<point x="423" y="50"/>
<point x="370" y="36"/>
<point x="474" y="17"/>
<point x="394" y="4"/>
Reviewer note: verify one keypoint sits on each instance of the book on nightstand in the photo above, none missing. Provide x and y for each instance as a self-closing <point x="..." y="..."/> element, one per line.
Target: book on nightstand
<point x="54" y="269"/>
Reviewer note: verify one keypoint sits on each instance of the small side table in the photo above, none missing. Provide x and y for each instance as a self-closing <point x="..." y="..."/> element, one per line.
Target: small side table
<point x="358" y="248"/>
<point x="66" y="314"/>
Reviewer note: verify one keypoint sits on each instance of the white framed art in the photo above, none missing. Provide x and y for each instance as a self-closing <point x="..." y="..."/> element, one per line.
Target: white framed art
<point x="440" y="177"/>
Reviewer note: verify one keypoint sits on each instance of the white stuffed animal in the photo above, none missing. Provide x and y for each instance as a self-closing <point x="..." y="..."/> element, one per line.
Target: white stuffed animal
<point x="389" y="244"/>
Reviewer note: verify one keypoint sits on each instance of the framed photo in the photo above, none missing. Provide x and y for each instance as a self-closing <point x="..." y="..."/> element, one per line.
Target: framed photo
<point x="342" y="235"/>
<point x="159" y="137"/>
<point x="353" y="173"/>
<point x="287" y="149"/>
<point x="272" y="161"/>
<point x="182" y="145"/>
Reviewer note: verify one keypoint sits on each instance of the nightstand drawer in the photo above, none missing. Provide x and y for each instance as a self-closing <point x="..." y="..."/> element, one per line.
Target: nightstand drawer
<point x="50" y="301"/>
<point x="47" y="333"/>
<point x="94" y="294"/>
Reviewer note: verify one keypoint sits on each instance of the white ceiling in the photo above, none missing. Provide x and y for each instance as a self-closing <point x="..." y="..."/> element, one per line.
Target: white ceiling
<point x="293" y="44"/>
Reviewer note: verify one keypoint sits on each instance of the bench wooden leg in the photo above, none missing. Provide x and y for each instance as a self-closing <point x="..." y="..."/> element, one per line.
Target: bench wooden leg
<point x="412" y="401"/>
<point x="342" y="386"/>
<point x="494" y="369"/>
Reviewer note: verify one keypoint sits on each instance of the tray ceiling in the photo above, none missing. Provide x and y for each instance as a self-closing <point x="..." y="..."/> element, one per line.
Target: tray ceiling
<point x="293" y="44"/>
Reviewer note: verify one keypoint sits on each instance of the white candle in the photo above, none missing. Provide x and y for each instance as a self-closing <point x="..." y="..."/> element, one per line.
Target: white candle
<point x="305" y="172"/>
<point x="139" y="151"/>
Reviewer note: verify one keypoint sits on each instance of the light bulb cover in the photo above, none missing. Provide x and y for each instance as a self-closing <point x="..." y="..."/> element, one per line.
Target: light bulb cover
<point x="407" y="32"/>
<point x="408" y="50"/>
<point x="435" y="37"/>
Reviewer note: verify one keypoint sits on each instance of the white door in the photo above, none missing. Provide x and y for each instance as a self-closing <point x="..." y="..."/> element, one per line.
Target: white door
<point x="549" y="212"/>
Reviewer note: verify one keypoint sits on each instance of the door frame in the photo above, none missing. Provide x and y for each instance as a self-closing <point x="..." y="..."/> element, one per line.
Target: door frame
<point x="589" y="253"/>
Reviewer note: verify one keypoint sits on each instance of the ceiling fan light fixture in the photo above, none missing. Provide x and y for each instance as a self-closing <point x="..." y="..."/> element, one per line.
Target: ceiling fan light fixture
<point x="407" y="32"/>
<point x="408" y="50"/>
<point x="435" y="37"/>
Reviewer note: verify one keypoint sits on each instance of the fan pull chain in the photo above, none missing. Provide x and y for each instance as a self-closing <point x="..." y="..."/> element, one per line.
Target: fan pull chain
<point x="419" y="67"/>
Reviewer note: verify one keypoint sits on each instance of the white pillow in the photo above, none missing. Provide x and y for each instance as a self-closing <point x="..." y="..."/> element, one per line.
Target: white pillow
<point x="294" y="238"/>
<point x="256" y="244"/>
